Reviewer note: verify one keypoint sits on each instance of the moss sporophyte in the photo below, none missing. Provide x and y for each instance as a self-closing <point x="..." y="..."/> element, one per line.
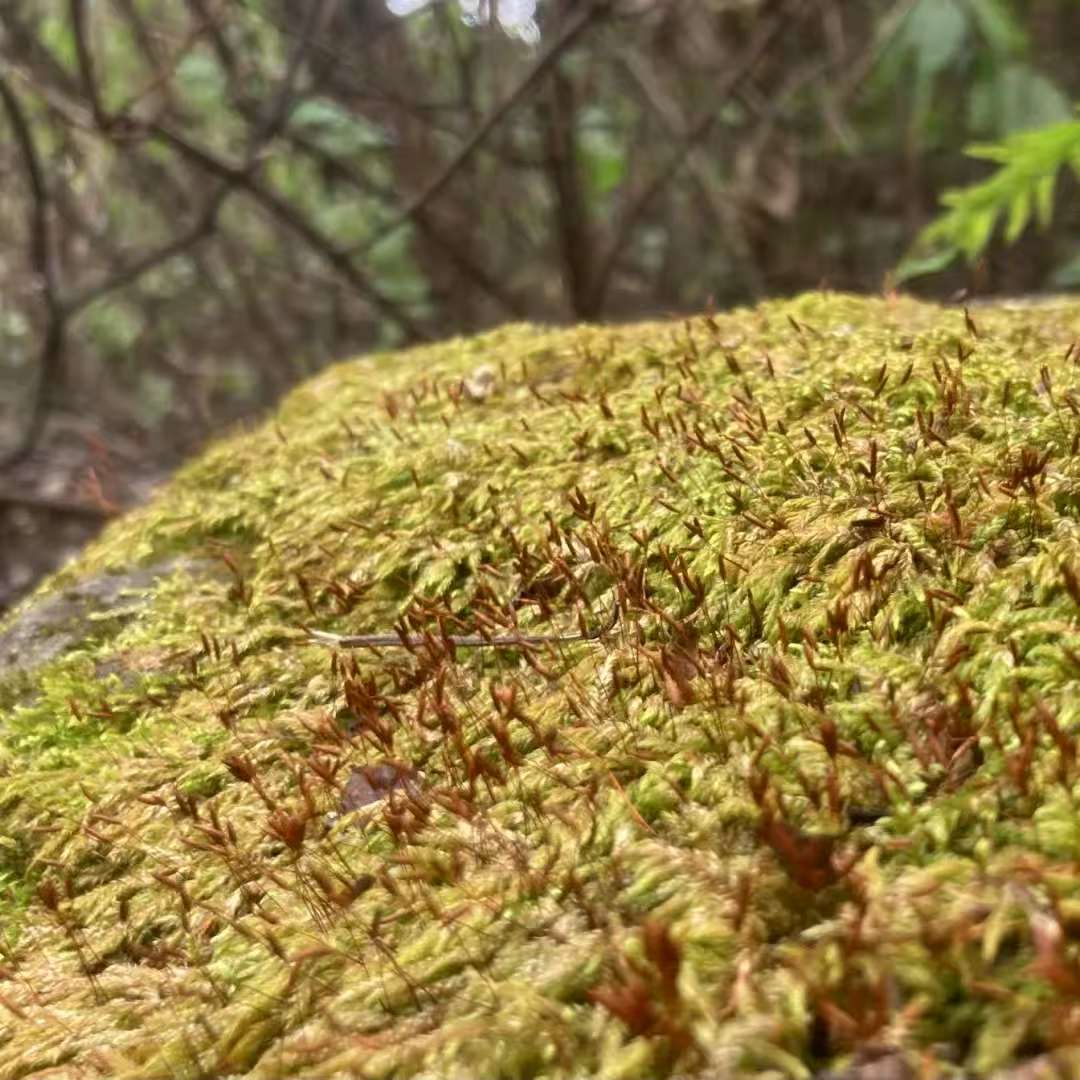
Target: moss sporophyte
<point x="770" y="768"/>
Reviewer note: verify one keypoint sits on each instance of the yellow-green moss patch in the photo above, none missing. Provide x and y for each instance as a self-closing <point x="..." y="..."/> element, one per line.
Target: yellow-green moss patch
<point x="810" y="804"/>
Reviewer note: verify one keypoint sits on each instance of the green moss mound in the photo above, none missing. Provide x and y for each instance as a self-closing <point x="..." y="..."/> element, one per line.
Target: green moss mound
<point x="808" y="809"/>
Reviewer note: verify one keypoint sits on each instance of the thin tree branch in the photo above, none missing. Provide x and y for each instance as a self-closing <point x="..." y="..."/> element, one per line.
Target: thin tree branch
<point x="586" y="13"/>
<point x="61" y="308"/>
<point x="209" y="20"/>
<point x="557" y="115"/>
<point x="131" y="272"/>
<point x="42" y="261"/>
<point x="453" y="251"/>
<point x="163" y="69"/>
<point x="280" y="107"/>
<point x="767" y="31"/>
<point x="285" y="213"/>
<point x="77" y="11"/>
<point x="886" y="31"/>
<point x="262" y="132"/>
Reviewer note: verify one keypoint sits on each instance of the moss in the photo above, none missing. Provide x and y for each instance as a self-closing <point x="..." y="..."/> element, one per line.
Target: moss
<point x="812" y="799"/>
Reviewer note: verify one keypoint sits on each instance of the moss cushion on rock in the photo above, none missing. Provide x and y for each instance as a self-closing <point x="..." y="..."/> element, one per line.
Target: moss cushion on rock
<point x="808" y="809"/>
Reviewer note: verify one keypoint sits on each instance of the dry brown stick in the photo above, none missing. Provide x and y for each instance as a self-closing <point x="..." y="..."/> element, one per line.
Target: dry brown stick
<point x="465" y="641"/>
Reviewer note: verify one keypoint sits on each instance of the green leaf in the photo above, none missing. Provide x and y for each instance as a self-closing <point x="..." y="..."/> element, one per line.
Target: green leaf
<point x="1029" y="163"/>
<point x="114" y="326"/>
<point x="155" y="397"/>
<point x="1044" y="198"/>
<point x="934" y="33"/>
<point x="1067" y="275"/>
<point x="602" y="155"/>
<point x="317" y="112"/>
<point x="59" y="38"/>
<point x="201" y="80"/>
<point x="1019" y="215"/>
<point x="1000" y="29"/>
<point x="974" y="233"/>
<point x="337" y="130"/>
<point x="1016" y="98"/>
<point x="998" y="152"/>
<point x="999" y="1037"/>
<point x="913" y="266"/>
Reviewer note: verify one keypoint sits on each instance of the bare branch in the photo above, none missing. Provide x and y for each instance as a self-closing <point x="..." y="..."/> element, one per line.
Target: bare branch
<point x="206" y="223"/>
<point x="77" y="10"/>
<point x="131" y="272"/>
<point x="41" y="258"/>
<point x="209" y="20"/>
<point x="164" y="69"/>
<point x="448" y="245"/>
<point x="584" y="16"/>
<point x="572" y="219"/>
<point x="887" y="30"/>
<point x="278" y="112"/>
<point x="289" y="216"/>
<point x="766" y="32"/>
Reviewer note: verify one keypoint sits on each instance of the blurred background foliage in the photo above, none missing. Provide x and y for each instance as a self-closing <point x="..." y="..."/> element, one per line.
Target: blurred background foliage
<point x="203" y="201"/>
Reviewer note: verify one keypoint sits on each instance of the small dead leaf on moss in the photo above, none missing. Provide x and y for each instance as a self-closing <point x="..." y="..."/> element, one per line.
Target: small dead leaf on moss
<point x="370" y="783"/>
<point x="1052" y="1066"/>
<point x="873" y="1063"/>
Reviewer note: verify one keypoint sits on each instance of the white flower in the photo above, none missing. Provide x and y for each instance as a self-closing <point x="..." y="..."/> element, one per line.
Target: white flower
<point x="406" y="7"/>
<point x="516" y="17"/>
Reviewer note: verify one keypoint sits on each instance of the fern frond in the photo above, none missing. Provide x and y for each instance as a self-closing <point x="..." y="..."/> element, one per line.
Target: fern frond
<point x="1021" y="188"/>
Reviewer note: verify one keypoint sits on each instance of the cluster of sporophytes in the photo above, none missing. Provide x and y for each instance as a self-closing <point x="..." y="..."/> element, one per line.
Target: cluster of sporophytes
<point x="807" y="807"/>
